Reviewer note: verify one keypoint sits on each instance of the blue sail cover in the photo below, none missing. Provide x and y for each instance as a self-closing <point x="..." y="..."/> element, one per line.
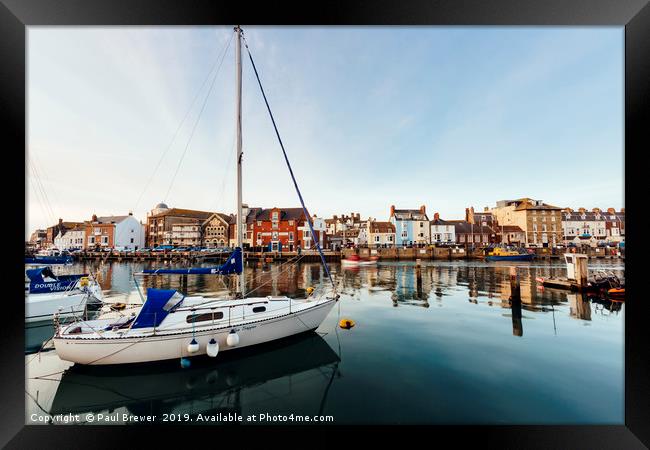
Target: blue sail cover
<point x="233" y="265"/>
<point x="158" y="304"/>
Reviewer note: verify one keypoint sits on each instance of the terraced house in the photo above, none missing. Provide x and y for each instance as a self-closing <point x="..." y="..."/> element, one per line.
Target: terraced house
<point x="590" y="227"/>
<point x="540" y="222"/>
<point x="380" y="234"/>
<point x="411" y="226"/>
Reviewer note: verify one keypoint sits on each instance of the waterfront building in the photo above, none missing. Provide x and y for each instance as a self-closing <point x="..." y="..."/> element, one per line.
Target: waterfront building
<point x="541" y="222"/>
<point x="470" y="234"/>
<point x="411" y="226"/>
<point x="320" y="230"/>
<point x="275" y="228"/>
<point x="122" y="232"/>
<point x="162" y="220"/>
<point x="186" y="234"/>
<point x="510" y="234"/>
<point x="380" y="234"/>
<point x="590" y="227"/>
<point x="485" y="218"/>
<point x="71" y="237"/>
<point x="37" y="239"/>
<point x="249" y="214"/>
<point x="615" y="225"/>
<point x="442" y="232"/>
<point x="215" y="230"/>
<point x="344" y="222"/>
<point x="54" y="230"/>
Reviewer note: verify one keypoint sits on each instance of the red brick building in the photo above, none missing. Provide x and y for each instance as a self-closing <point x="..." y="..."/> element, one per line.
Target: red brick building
<point x="275" y="228"/>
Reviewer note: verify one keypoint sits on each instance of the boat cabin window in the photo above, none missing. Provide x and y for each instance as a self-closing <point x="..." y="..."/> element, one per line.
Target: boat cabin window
<point x="204" y="317"/>
<point x="258" y="309"/>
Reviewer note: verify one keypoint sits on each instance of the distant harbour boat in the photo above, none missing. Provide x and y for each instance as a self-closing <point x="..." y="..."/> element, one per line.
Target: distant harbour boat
<point x="502" y="254"/>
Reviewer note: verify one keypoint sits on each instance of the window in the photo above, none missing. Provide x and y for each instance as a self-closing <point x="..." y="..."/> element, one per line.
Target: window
<point x="291" y="235"/>
<point x="275" y="215"/>
<point x="259" y="309"/>
<point x="291" y="222"/>
<point x="204" y="317"/>
<point x="104" y="239"/>
<point x="259" y="223"/>
<point x="404" y="233"/>
<point x="421" y="224"/>
<point x="131" y="240"/>
<point x="390" y="238"/>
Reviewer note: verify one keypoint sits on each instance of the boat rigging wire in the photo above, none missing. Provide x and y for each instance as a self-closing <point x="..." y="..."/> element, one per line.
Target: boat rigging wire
<point x="180" y="125"/>
<point x="277" y="133"/>
<point x="198" y="118"/>
<point x="41" y="191"/>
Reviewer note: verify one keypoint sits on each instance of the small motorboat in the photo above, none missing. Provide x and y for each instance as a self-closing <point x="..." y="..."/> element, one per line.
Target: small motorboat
<point x="47" y="294"/>
<point x="503" y="254"/>
<point x="607" y="281"/>
<point x="356" y="260"/>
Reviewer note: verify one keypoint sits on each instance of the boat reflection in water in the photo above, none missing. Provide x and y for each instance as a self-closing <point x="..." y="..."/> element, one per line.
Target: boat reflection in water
<point x="261" y="373"/>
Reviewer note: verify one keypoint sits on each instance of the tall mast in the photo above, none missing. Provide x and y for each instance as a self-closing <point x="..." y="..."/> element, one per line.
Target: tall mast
<point x="241" y="221"/>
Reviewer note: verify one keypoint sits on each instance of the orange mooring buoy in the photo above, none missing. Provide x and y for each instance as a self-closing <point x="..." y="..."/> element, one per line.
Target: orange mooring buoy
<point x="346" y="323"/>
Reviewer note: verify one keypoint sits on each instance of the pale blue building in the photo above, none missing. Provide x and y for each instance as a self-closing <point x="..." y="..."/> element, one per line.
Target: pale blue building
<point x="411" y="226"/>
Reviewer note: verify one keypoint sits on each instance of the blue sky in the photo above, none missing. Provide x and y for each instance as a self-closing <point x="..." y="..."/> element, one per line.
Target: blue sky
<point x="448" y="117"/>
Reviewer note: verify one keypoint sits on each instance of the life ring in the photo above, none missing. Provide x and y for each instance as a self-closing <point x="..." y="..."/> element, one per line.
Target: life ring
<point x="346" y="324"/>
<point x="118" y="306"/>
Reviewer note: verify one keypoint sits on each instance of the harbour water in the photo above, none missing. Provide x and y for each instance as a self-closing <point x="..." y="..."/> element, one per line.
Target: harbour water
<point x="435" y="343"/>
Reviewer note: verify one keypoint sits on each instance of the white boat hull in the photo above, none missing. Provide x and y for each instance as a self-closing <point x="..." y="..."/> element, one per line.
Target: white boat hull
<point x="166" y="346"/>
<point x="347" y="262"/>
<point x="42" y="307"/>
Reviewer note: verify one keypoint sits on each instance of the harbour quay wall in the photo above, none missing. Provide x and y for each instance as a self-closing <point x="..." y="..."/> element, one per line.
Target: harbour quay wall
<point x="392" y="253"/>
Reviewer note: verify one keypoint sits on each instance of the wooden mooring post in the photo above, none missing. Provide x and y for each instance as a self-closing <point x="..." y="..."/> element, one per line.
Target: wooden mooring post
<point x="515" y="303"/>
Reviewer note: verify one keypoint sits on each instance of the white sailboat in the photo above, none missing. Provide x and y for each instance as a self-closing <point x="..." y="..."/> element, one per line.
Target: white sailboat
<point x="171" y="326"/>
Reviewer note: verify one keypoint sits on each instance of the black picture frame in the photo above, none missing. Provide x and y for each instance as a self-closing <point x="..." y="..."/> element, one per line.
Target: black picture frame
<point x="16" y="15"/>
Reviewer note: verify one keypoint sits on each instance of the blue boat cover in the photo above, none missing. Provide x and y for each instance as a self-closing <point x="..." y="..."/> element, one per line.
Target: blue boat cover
<point x="38" y="285"/>
<point x="234" y="264"/>
<point x="49" y="260"/>
<point x="156" y="307"/>
<point x="36" y="275"/>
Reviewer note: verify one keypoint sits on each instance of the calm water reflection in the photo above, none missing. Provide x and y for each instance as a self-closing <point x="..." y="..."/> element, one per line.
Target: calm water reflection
<point x="436" y="343"/>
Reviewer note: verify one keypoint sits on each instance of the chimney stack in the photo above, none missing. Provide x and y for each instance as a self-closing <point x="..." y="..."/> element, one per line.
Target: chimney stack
<point x="582" y="210"/>
<point x="60" y="221"/>
<point x="392" y="210"/>
<point x="423" y="209"/>
<point x="611" y="210"/>
<point x="436" y="216"/>
<point x="596" y="210"/>
<point x="94" y="217"/>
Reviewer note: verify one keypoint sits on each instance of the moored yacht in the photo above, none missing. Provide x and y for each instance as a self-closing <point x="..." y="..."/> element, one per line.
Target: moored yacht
<point x="170" y="325"/>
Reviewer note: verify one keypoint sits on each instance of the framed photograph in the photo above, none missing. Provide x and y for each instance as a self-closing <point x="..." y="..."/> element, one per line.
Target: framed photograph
<point x="383" y="214"/>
